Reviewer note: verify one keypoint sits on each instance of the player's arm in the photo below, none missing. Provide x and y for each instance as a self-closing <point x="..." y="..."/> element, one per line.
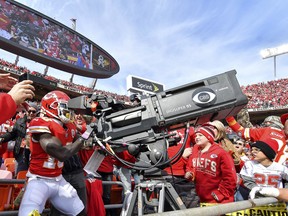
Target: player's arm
<point x="53" y="146"/>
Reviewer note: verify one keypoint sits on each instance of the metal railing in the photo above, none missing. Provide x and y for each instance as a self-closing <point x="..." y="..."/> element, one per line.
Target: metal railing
<point x="220" y="209"/>
<point x="22" y="181"/>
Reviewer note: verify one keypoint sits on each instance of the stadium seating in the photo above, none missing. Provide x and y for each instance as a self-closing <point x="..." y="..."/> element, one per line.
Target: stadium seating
<point x="5" y="191"/>
<point x="20" y="175"/>
<point x="9" y="160"/>
<point x="10" y="165"/>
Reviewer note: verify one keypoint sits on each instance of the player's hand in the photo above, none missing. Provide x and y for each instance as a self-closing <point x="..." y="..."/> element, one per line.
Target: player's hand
<point x="265" y="191"/>
<point x="7" y="82"/>
<point x="22" y="91"/>
<point x="187" y="152"/>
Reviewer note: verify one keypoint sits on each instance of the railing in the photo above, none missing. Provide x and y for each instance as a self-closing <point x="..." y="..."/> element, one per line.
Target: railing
<point x="22" y="181"/>
<point x="221" y="208"/>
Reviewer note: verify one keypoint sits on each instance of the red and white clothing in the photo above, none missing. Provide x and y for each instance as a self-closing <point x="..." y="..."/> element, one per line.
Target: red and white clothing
<point x="265" y="176"/>
<point x="41" y="163"/>
<point x="255" y="134"/>
<point x="7" y="108"/>
<point x="45" y="179"/>
<point x="214" y="174"/>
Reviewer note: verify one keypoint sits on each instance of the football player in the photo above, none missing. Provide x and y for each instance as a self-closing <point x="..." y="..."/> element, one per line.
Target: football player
<point x="52" y="142"/>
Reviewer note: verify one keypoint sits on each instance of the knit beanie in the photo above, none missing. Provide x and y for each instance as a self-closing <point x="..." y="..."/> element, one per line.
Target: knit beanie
<point x="268" y="146"/>
<point x="207" y="131"/>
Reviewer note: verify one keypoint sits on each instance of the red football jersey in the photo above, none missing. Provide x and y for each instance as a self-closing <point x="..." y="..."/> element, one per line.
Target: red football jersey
<point x="41" y="163"/>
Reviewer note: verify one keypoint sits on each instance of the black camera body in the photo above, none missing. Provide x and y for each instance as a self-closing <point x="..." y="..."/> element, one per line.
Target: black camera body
<point x="149" y="122"/>
<point x="216" y="97"/>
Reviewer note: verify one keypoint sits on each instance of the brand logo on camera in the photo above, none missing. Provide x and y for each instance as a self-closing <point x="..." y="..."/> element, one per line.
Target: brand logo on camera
<point x="204" y="97"/>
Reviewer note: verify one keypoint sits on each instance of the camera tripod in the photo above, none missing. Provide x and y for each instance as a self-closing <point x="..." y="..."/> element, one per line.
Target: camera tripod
<point x="151" y="195"/>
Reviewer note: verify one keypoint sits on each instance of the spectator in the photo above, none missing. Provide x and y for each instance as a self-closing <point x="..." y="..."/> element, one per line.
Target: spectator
<point x="17" y="95"/>
<point x="19" y="133"/>
<point x="222" y="139"/>
<point x="240" y="146"/>
<point x="262" y="171"/>
<point x="271" y="128"/>
<point x="51" y="144"/>
<point x="212" y="168"/>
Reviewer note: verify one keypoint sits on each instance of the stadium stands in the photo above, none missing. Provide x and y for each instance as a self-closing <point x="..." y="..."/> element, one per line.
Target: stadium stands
<point x="6" y="66"/>
<point x="267" y="97"/>
<point x="272" y="94"/>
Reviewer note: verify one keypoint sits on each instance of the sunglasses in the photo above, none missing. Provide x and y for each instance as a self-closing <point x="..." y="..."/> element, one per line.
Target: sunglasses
<point x="32" y="111"/>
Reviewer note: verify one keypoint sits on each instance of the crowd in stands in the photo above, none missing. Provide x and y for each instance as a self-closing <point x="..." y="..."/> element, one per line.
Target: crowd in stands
<point x="265" y="95"/>
<point x="13" y="68"/>
<point x="272" y="94"/>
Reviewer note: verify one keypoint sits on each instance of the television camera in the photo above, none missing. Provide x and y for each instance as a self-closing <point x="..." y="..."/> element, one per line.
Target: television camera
<point x="144" y="128"/>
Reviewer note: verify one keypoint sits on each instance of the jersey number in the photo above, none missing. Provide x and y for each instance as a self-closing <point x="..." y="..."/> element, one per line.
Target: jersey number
<point x="51" y="164"/>
<point x="271" y="180"/>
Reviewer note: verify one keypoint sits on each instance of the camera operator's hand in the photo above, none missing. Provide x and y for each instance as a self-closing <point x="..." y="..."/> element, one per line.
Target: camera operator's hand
<point x="22" y="91"/>
<point x="187" y="152"/>
<point x="7" y="82"/>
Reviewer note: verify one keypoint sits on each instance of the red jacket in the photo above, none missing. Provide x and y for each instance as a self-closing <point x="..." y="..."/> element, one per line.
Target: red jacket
<point x="7" y="108"/>
<point x="214" y="174"/>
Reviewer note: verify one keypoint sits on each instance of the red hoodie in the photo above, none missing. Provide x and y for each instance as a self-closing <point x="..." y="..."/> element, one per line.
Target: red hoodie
<point x="214" y="174"/>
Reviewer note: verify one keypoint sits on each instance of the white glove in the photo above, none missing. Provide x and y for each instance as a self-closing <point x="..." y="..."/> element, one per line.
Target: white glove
<point x="266" y="191"/>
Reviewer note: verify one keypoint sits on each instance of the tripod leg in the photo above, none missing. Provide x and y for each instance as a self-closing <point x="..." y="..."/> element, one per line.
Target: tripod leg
<point x="140" y="200"/>
<point x="173" y="198"/>
<point x="132" y="203"/>
<point x="161" y="198"/>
